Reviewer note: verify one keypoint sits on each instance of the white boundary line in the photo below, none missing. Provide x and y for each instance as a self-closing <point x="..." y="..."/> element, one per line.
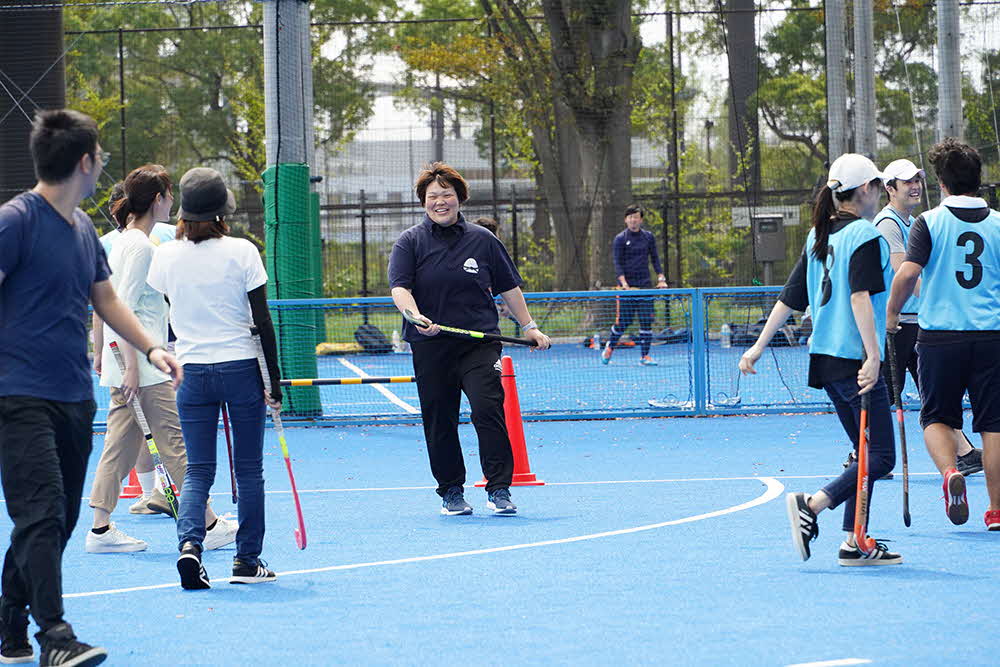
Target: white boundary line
<point x="379" y="388"/>
<point x="599" y="482"/>
<point x="833" y="663"/>
<point x="773" y="490"/>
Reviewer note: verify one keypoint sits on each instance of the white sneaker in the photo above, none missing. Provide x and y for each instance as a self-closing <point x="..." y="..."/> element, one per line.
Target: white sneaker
<point x="139" y="506"/>
<point x="224" y="533"/>
<point x="113" y="541"/>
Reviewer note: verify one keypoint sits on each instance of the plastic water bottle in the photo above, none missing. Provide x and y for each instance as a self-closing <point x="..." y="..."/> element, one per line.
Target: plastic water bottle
<point x="397" y="344"/>
<point x="726" y="335"/>
<point x="597" y="341"/>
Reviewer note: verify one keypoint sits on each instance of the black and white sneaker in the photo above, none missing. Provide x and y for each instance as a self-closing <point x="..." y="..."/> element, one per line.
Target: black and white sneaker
<point x="971" y="463"/>
<point x="499" y="501"/>
<point x="14" y="645"/>
<point x="193" y="575"/>
<point x="805" y="527"/>
<point x="852" y="556"/>
<point x="60" y="647"/>
<point x="251" y="572"/>
<point x="453" y="502"/>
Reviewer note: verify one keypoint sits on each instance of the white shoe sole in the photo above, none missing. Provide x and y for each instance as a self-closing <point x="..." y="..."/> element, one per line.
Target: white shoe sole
<point x="446" y="512"/>
<point x="252" y="580"/>
<point x="17" y="661"/>
<point x="792" y="505"/>
<point x="95" y="656"/>
<point x="865" y="563"/>
<point x="116" y="549"/>
<point x="506" y="512"/>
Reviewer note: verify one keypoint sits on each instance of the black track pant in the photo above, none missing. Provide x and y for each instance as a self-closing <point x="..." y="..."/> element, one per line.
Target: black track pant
<point x="445" y="367"/>
<point x="44" y="448"/>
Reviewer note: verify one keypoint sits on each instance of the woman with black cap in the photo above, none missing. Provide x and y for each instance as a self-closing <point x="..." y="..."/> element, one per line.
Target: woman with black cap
<point x="216" y="287"/>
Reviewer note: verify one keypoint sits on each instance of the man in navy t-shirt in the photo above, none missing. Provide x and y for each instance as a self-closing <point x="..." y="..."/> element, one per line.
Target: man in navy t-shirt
<point x="51" y="266"/>
<point x="633" y="249"/>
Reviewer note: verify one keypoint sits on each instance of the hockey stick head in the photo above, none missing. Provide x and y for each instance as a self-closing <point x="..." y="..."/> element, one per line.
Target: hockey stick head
<point x="421" y="322"/>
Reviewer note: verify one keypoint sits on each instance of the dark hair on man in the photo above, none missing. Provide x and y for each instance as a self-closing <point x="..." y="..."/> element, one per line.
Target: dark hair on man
<point x="139" y="192"/>
<point x="632" y="209"/>
<point x="197" y="232"/>
<point x="490" y="224"/>
<point x="59" y="138"/>
<point x="442" y="174"/>
<point x="958" y="166"/>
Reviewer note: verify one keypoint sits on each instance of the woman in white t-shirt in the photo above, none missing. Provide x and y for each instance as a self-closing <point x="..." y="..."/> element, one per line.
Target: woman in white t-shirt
<point x="147" y="198"/>
<point x="216" y="286"/>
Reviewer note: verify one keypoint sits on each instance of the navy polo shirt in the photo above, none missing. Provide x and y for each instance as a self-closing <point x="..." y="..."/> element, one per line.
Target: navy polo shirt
<point x="49" y="267"/>
<point x="632" y="253"/>
<point x="454" y="273"/>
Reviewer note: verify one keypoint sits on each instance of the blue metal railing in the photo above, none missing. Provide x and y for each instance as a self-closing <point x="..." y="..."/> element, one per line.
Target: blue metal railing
<point x="696" y="374"/>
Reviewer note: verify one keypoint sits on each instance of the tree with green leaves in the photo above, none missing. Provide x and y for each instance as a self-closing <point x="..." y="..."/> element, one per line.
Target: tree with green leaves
<point x="193" y="80"/>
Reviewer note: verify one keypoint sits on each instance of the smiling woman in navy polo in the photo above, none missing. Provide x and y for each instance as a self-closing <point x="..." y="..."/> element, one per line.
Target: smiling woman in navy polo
<point x="444" y="269"/>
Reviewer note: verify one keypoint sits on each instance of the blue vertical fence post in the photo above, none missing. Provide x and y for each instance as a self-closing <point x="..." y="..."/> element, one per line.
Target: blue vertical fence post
<point x="699" y="327"/>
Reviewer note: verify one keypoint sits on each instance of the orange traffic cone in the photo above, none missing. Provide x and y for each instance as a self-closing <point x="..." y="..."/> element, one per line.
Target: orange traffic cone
<point x="133" y="489"/>
<point x="515" y="428"/>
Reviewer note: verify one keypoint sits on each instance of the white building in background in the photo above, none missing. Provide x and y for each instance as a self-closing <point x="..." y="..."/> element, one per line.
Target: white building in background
<point x="386" y="170"/>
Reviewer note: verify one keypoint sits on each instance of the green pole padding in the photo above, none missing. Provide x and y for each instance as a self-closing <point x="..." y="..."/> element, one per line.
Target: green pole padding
<point x="287" y="235"/>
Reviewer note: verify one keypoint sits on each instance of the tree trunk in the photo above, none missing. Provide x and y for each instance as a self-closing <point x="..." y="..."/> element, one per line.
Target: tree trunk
<point x="541" y="227"/>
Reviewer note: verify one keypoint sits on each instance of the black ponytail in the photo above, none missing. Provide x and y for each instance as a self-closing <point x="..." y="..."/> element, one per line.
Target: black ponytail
<point x="823" y="217"/>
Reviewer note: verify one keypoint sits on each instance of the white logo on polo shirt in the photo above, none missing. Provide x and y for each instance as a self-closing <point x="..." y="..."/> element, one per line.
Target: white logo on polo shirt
<point x="471" y="266"/>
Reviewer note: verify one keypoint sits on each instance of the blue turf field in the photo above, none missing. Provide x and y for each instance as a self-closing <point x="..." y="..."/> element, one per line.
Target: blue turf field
<point x="654" y="542"/>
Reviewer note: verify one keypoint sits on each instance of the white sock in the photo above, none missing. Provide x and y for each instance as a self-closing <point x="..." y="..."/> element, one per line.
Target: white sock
<point x="147" y="480"/>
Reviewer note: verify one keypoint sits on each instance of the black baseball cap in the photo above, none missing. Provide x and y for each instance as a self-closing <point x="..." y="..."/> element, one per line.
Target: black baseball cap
<point x="204" y="196"/>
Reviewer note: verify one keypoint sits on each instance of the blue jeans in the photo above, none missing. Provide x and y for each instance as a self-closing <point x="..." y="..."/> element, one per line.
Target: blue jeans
<point x="205" y="388"/>
<point x="881" y="441"/>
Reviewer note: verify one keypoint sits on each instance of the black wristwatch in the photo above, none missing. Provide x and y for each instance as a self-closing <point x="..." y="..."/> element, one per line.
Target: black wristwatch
<point x="150" y="351"/>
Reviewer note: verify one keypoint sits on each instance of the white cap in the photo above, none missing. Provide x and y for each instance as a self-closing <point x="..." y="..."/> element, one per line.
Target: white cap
<point x="903" y="169"/>
<point x="850" y="171"/>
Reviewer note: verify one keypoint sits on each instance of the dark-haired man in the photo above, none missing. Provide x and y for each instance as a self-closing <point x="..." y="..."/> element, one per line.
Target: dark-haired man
<point x="904" y="185"/>
<point x="633" y="249"/>
<point x="955" y="249"/>
<point x="51" y="266"/>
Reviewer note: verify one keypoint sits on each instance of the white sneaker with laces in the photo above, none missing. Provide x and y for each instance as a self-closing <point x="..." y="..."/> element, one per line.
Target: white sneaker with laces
<point x="222" y="534"/>
<point x="113" y="541"/>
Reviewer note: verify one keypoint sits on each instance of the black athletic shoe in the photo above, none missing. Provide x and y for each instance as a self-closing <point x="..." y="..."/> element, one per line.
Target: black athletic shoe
<point x="970" y="463"/>
<point x="852" y="556"/>
<point x="60" y="647"/>
<point x="251" y="572"/>
<point x="499" y="501"/>
<point x="805" y="527"/>
<point x="14" y="645"/>
<point x="852" y="457"/>
<point x="453" y="502"/>
<point x="193" y="575"/>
